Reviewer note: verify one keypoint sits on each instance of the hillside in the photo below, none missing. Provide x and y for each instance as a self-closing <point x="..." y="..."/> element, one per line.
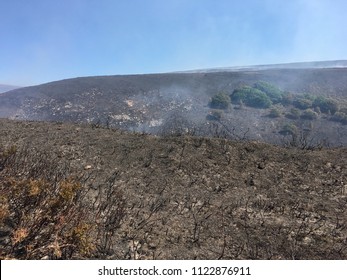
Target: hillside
<point x="179" y="103"/>
<point x="184" y="197"/>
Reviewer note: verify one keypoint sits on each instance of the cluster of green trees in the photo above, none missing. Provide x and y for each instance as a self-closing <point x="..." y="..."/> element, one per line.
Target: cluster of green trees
<point x="265" y="95"/>
<point x="294" y="114"/>
<point x="273" y="92"/>
<point x="260" y="95"/>
<point x="318" y="103"/>
<point x="251" y="96"/>
<point x="313" y="106"/>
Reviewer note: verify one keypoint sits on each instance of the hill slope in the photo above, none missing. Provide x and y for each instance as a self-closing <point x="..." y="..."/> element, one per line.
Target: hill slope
<point x="151" y="103"/>
<point x="202" y="198"/>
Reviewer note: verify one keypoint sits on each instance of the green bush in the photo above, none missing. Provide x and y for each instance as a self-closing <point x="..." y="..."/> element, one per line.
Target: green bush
<point x="289" y="129"/>
<point x="309" y="114"/>
<point x="287" y="98"/>
<point x="339" y="117"/>
<point x="274" y="93"/>
<point x="302" y="103"/>
<point x="293" y="114"/>
<point x="309" y="96"/>
<point x="220" y="101"/>
<point x="275" y="113"/>
<point x="326" y="105"/>
<point x="251" y="97"/>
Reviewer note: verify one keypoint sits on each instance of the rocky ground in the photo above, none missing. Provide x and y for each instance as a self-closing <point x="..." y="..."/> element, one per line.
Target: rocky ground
<point x="204" y="198"/>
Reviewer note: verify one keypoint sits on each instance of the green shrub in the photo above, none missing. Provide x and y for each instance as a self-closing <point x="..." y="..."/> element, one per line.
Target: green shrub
<point x="293" y="114"/>
<point x="275" y="113"/>
<point x="289" y="129"/>
<point x="251" y="97"/>
<point x="339" y="117"/>
<point x="274" y="93"/>
<point x="326" y="105"/>
<point x="309" y="96"/>
<point x="220" y="101"/>
<point x="287" y="98"/>
<point x="309" y="114"/>
<point x="302" y="103"/>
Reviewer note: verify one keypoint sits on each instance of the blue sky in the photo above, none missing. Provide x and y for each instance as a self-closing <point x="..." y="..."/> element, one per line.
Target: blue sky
<point x="46" y="40"/>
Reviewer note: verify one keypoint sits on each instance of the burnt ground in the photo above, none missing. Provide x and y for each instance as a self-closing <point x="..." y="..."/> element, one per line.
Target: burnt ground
<point x="204" y="198"/>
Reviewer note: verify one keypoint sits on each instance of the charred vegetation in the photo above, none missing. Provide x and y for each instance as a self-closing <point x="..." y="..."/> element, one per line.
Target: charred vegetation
<point x="77" y="191"/>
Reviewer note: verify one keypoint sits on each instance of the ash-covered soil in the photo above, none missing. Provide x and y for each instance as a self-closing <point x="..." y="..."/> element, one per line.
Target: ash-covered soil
<point x="205" y="198"/>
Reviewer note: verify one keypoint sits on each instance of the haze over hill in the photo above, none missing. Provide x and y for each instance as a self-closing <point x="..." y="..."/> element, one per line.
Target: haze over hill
<point x="4" y="88"/>
<point x="180" y="102"/>
<point x="293" y="65"/>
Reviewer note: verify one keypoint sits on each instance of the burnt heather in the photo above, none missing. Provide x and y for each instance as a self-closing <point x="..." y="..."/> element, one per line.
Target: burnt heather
<point x="193" y="197"/>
